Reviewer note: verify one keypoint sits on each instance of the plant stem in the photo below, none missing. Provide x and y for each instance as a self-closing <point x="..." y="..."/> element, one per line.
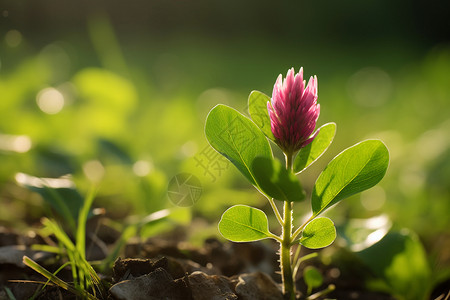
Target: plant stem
<point x="320" y="294"/>
<point x="289" y="161"/>
<point x="285" y="253"/>
<point x="275" y="210"/>
<point x="285" y="249"/>
<point x="300" y="260"/>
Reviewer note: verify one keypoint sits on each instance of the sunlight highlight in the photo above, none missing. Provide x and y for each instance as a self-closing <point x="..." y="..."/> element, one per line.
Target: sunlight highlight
<point x="380" y="226"/>
<point x="94" y="170"/>
<point x="189" y="149"/>
<point x="55" y="183"/>
<point x="50" y="100"/>
<point x="15" y="143"/>
<point x="142" y="168"/>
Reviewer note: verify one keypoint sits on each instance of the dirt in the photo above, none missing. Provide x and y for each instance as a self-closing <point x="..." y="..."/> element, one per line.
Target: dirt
<point x="166" y="267"/>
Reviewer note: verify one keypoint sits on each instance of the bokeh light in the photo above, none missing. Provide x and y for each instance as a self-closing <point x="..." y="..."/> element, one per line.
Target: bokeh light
<point x="13" y="38"/>
<point x="15" y="143"/>
<point x="142" y="168"/>
<point x="50" y="101"/>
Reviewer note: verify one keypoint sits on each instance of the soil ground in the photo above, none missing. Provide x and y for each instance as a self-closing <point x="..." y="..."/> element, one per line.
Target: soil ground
<point x="166" y="267"/>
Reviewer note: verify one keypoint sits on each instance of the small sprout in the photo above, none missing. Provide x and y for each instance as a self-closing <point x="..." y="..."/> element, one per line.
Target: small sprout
<point x="313" y="278"/>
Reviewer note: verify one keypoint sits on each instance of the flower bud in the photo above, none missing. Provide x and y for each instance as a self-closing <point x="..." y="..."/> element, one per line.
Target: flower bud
<point x="293" y="111"/>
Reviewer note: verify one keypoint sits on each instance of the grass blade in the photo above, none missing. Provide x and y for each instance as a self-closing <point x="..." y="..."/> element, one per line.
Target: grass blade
<point x="82" y="219"/>
<point x="61" y="283"/>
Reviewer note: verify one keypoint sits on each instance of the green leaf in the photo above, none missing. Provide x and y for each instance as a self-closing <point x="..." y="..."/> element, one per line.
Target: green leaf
<point x="359" y="234"/>
<point x="81" y="225"/>
<point x="400" y="259"/>
<point x="237" y="138"/>
<point x="242" y="223"/>
<point x="354" y="170"/>
<point x="276" y="181"/>
<point x="312" y="277"/>
<point x="318" y="233"/>
<point x="257" y="107"/>
<point x="316" y="148"/>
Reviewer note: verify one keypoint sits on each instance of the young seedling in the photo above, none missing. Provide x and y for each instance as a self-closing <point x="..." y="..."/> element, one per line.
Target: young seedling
<point x="288" y="119"/>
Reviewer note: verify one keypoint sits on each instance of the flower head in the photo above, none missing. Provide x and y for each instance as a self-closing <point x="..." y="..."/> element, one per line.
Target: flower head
<point x="293" y="111"/>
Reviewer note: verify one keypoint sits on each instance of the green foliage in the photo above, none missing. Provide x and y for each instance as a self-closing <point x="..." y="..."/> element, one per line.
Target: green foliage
<point x="275" y="181"/>
<point x="84" y="276"/>
<point x="354" y="170"/>
<point x="309" y="154"/>
<point x="359" y="234"/>
<point x="80" y="236"/>
<point x="400" y="260"/>
<point x="94" y="85"/>
<point x="312" y="278"/>
<point x="242" y="223"/>
<point x="56" y="280"/>
<point x="237" y="138"/>
<point x="318" y="233"/>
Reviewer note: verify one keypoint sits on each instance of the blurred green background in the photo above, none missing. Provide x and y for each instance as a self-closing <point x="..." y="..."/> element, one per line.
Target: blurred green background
<point x="116" y="93"/>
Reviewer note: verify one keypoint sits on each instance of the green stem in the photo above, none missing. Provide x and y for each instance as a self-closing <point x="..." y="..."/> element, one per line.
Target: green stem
<point x="289" y="161"/>
<point x="295" y="260"/>
<point x="285" y="249"/>
<point x="300" y="260"/>
<point x="285" y="253"/>
<point x="320" y="294"/>
<point x="275" y="210"/>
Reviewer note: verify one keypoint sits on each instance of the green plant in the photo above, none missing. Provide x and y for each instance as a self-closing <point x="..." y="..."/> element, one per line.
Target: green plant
<point x="288" y="119"/>
<point x="86" y="282"/>
<point x="69" y="206"/>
